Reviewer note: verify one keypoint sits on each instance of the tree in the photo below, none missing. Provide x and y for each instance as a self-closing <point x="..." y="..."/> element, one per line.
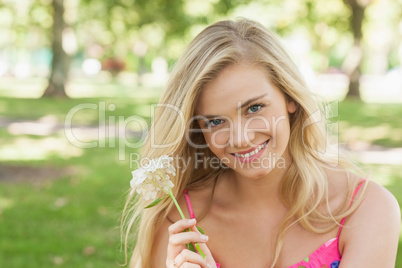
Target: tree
<point x="60" y="62"/>
<point x="354" y="59"/>
<point x="332" y="17"/>
<point x="121" y="20"/>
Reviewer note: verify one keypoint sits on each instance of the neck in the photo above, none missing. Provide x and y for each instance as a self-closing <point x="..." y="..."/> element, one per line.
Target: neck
<point x="257" y="192"/>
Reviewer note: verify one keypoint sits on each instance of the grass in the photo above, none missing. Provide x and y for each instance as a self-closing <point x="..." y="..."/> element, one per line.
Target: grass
<point x="376" y="124"/>
<point x="72" y="219"/>
<point x="67" y="221"/>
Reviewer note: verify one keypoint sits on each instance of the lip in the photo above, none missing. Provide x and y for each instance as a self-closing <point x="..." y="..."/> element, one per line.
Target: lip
<point x="250" y="150"/>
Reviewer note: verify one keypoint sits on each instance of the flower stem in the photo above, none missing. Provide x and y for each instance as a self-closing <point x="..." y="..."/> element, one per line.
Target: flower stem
<point x="182" y="215"/>
<point x="177" y="204"/>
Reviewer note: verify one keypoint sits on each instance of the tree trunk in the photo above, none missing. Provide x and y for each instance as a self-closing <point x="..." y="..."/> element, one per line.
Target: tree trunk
<point x="60" y="61"/>
<point x="351" y="66"/>
<point x="354" y="59"/>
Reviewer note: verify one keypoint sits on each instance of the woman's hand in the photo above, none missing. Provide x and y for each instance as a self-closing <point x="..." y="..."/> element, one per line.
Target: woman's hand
<point x="178" y="255"/>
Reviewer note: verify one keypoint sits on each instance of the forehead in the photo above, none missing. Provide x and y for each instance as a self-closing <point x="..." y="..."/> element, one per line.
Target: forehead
<point x="233" y="86"/>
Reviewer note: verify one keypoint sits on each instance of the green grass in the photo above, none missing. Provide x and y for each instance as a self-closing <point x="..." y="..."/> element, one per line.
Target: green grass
<point x="376" y="124"/>
<point x="72" y="220"/>
<point x="88" y="113"/>
<point x="59" y="218"/>
<point x="67" y="221"/>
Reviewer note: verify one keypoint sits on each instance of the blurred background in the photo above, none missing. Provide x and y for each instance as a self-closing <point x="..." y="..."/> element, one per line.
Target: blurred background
<point x="78" y="79"/>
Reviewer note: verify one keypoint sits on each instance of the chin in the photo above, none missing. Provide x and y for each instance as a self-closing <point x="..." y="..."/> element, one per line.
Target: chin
<point x="256" y="173"/>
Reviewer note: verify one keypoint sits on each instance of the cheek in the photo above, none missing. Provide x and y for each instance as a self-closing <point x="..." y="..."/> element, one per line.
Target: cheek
<point x="218" y="139"/>
<point x="281" y="132"/>
<point x="261" y="123"/>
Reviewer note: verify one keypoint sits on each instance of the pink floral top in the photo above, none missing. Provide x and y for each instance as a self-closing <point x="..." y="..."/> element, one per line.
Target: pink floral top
<point x="327" y="256"/>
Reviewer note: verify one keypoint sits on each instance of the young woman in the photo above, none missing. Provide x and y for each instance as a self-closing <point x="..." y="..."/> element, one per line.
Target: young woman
<point x="256" y="171"/>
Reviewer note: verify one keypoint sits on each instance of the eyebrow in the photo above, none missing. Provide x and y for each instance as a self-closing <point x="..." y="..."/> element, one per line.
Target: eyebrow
<point x="240" y="107"/>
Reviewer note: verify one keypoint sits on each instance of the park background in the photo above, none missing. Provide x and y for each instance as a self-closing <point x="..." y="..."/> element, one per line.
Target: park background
<point x="77" y="78"/>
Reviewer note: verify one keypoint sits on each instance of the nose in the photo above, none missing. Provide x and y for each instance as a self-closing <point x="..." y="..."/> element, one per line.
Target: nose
<point x="240" y="136"/>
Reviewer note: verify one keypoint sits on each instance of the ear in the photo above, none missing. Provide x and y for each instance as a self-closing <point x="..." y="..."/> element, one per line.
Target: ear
<point x="292" y="107"/>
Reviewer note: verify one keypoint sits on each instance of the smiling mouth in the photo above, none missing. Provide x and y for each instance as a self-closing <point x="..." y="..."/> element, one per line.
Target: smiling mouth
<point x="255" y="151"/>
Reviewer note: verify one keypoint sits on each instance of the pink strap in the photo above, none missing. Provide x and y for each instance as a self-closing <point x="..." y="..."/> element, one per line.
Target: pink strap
<point x="191" y="211"/>
<point x="353" y="198"/>
<point x="189" y="206"/>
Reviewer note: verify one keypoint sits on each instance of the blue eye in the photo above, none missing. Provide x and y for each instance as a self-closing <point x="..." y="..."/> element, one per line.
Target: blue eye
<point x="254" y="108"/>
<point x="214" y="122"/>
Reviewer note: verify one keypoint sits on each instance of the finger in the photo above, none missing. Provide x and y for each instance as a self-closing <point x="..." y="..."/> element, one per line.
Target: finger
<point x="208" y="255"/>
<point x="209" y="258"/>
<point x="195" y="229"/>
<point x="181" y="225"/>
<point x="190" y="257"/>
<point x="187" y="237"/>
<point x="190" y="265"/>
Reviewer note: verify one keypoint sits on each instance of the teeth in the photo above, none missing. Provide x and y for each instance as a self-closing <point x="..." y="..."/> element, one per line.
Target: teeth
<point x="251" y="153"/>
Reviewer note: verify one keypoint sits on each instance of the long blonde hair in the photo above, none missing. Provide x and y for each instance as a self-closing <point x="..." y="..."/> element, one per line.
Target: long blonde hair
<point x="304" y="187"/>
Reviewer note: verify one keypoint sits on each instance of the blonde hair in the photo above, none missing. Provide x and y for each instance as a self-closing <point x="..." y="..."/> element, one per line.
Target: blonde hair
<point x="304" y="187"/>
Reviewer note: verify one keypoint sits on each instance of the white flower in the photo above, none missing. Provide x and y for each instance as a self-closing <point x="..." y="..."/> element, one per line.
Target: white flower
<point x="153" y="177"/>
<point x="139" y="177"/>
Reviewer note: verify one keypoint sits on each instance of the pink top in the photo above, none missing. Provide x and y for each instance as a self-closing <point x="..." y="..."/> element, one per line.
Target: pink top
<point x="325" y="256"/>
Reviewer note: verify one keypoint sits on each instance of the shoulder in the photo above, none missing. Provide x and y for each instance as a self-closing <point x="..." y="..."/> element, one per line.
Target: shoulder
<point x="374" y="196"/>
<point x="371" y="233"/>
<point x="380" y="200"/>
<point x="377" y="204"/>
<point x="378" y="207"/>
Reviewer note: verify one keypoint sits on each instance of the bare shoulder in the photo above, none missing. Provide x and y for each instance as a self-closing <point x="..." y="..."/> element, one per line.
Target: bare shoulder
<point x="379" y="201"/>
<point x="340" y="180"/>
<point x="378" y="212"/>
<point x="378" y="207"/>
<point x="370" y="235"/>
<point x="372" y="231"/>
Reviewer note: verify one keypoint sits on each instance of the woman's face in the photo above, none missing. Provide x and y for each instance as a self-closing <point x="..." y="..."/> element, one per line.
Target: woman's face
<point x="244" y="120"/>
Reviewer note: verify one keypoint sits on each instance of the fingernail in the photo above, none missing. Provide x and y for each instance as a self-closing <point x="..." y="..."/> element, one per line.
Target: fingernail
<point x="204" y="238"/>
<point x="192" y="221"/>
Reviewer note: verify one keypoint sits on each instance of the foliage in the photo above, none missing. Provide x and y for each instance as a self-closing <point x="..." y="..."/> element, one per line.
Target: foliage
<point x="159" y="24"/>
<point x="112" y="28"/>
